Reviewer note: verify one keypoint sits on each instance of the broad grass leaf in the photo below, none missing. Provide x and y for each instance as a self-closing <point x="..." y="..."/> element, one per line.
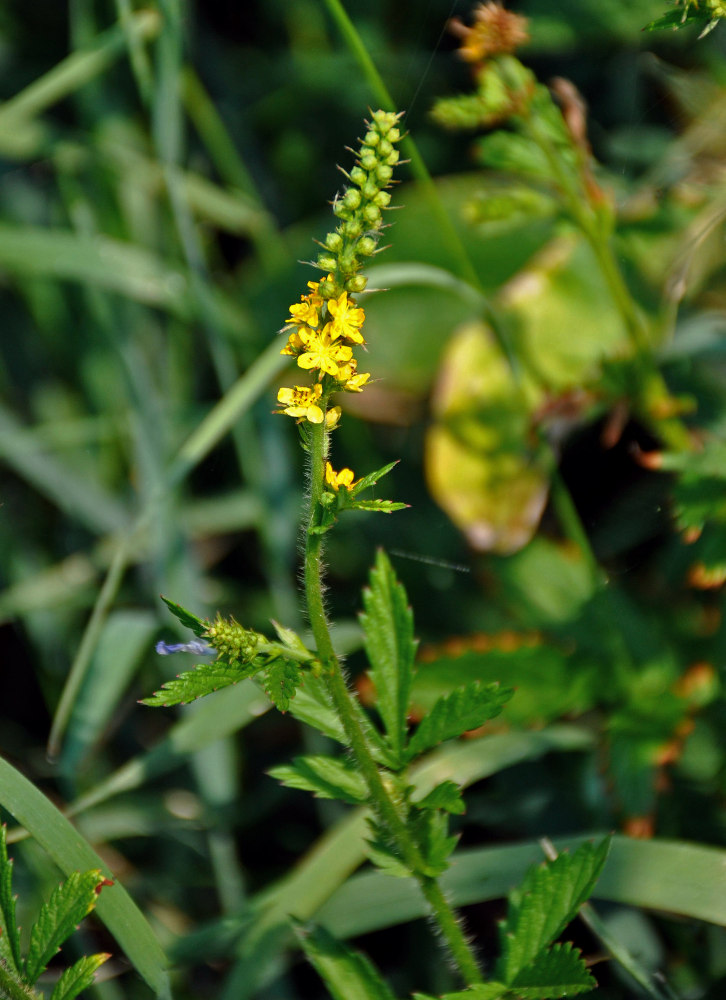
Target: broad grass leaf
<point x="388" y="625"/>
<point x="9" y="936"/>
<point x="325" y="777"/>
<point x="558" y="972"/>
<point x="546" y="901"/>
<point x="464" y="709"/>
<point x="59" y="916"/>
<point x="347" y="974"/>
<point x="78" y="977"/>
<point x="203" y="679"/>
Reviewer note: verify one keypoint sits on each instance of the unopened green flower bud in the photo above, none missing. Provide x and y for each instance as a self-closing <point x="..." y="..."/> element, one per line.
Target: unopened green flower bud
<point x="358" y="176"/>
<point x="356" y="284"/>
<point x="393" y="158"/>
<point x="393" y="135"/>
<point x="341" y="209"/>
<point x="352" y="198"/>
<point x="372" y="138"/>
<point x="385" y="148"/>
<point x="353" y="228"/>
<point x="326" y="263"/>
<point x="372" y="214"/>
<point x="334" y="242"/>
<point x="366" y="246"/>
<point x="382" y="199"/>
<point x="369" y="189"/>
<point x="384" y="173"/>
<point x="369" y="161"/>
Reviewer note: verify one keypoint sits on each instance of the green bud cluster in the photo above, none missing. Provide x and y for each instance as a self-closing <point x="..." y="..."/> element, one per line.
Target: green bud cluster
<point x="233" y="643"/>
<point x="360" y="208"/>
<point x="504" y="89"/>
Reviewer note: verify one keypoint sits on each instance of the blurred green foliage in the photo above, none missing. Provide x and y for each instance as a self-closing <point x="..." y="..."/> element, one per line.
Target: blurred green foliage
<point x="163" y="168"/>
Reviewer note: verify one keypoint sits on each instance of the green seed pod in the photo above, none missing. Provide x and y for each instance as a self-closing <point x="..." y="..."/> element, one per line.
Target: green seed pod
<point x="384" y="149"/>
<point x="358" y="176"/>
<point x="383" y="173"/>
<point x="353" y="228"/>
<point x="340" y="209"/>
<point x="368" y="161"/>
<point x="370" y="189"/>
<point x="393" y="135"/>
<point x="393" y="158"/>
<point x="382" y="199"/>
<point x="372" y="138"/>
<point x="334" y="242"/>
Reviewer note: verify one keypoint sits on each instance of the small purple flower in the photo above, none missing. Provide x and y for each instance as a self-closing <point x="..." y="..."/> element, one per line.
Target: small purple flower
<point x="195" y="646"/>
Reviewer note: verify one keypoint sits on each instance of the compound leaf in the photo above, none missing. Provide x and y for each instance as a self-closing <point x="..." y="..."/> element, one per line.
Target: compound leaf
<point x="188" y="620"/>
<point x="325" y="777"/>
<point x="59" y="916"/>
<point x="446" y="796"/>
<point x="390" y="646"/>
<point x="78" y="977"/>
<point x="281" y="681"/>
<point x="464" y="709"/>
<point x="9" y="936"/>
<point x="557" y="972"/>
<point x="542" y="906"/>
<point x="347" y="974"/>
<point x="203" y="679"/>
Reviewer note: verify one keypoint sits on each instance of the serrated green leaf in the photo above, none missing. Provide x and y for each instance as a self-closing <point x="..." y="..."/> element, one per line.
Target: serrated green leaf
<point x="558" y="972"/>
<point x="289" y="638"/>
<point x="464" y="709"/>
<point x="325" y="777"/>
<point x="79" y="976"/>
<point x="384" y="506"/>
<point x="383" y="854"/>
<point x="372" y="478"/>
<point x="59" y="916"/>
<point x="203" y="679"/>
<point x="281" y="681"/>
<point x="347" y="974"/>
<point x="12" y="986"/>
<point x="187" y="619"/>
<point x="390" y="646"/>
<point x="446" y="796"/>
<point x="547" y="900"/>
<point x="482" y="991"/>
<point x="10" y="938"/>
<point x="432" y="834"/>
<point x="675" y="19"/>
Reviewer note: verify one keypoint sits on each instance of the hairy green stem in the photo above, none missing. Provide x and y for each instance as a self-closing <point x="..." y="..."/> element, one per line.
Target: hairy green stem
<point x="381" y="801"/>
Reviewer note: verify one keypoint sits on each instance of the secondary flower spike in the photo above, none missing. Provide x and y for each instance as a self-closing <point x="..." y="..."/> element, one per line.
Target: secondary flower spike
<point x="325" y="326"/>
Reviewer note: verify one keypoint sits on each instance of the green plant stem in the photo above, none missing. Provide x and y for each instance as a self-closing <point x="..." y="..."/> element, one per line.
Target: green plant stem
<point x="381" y="800"/>
<point x="651" y="386"/>
<point x="12" y="988"/>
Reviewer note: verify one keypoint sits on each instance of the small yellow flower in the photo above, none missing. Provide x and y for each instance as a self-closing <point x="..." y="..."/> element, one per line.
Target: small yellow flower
<point x="306" y="312"/>
<point x="332" y="417"/>
<point x="294" y="345"/>
<point x="335" y="479"/>
<point x="347" y="318"/>
<point x="321" y="351"/>
<point x="302" y="402"/>
<point x="356" y="382"/>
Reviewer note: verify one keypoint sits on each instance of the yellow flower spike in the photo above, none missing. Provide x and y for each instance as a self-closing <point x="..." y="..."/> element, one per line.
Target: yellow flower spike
<point x="347" y="318"/>
<point x="320" y="352"/>
<point x="301" y="402"/>
<point x="343" y="478"/>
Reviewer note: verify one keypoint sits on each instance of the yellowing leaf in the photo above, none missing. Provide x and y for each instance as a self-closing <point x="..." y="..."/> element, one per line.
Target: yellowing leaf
<point x="479" y="461"/>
